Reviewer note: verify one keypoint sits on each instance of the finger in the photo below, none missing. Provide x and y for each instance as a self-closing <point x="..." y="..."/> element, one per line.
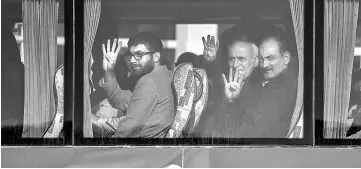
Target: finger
<point x="108" y="46"/>
<point x="224" y="79"/>
<point x="105" y="54"/>
<point x="242" y="77"/>
<point x="119" y="47"/>
<point x="204" y="42"/>
<point x="235" y="78"/>
<point x="103" y="47"/>
<point x="109" y="128"/>
<point x="230" y="77"/>
<point x="213" y="41"/>
<point x="105" y="58"/>
<point x="208" y="39"/>
<point x="217" y="44"/>
<point x="105" y="127"/>
<point x="114" y="45"/>
<point x="241" y="80"/>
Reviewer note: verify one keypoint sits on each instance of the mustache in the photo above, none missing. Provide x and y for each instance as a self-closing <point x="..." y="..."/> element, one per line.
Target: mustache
<point x="267" y="68"/>
<point x="134" y="65"/>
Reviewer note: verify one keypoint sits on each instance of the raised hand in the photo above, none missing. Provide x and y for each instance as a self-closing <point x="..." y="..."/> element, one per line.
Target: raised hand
<point x="232" y="87"/>
<point x="210" y="48"/>
<point x="110" y="55"/>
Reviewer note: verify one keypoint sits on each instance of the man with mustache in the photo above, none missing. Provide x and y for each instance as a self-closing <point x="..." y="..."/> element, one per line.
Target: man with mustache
<point x="254" y="107"/>
<point x="275" y="96"/>
<point x="150" y="107"/>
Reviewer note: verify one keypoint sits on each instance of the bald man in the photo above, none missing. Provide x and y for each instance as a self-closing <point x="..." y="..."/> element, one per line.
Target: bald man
<point x="239" y="86"/>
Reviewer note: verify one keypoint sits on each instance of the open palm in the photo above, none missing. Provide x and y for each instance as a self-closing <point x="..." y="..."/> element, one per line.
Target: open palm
<point x="232" y="87"/>
<point x="210" y="48"/>
<point x="110" y="55"/>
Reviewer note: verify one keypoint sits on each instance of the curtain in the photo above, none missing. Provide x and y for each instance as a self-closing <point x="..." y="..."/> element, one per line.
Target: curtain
<point x="92" y="10"/>
<point x="40" y="21"/>
<point x="339" y="42"/>
<point x="297" y="12"/>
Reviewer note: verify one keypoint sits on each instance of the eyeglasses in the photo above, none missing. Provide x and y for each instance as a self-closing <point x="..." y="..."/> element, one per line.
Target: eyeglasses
<point x="137" y="56"/>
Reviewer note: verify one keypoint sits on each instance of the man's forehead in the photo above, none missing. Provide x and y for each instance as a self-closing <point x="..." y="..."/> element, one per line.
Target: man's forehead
<point x="269" y="47"/>
<point x="270" y="44"/>
<point x="240" y="47"/>
<point x="139" y="48"/>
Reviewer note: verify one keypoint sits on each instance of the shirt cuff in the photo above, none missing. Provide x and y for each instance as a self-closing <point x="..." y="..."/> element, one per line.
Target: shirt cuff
<point x="103" y="84"/>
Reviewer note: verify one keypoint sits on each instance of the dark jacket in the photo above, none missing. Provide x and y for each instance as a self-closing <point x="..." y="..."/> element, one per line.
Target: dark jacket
<point x="261" y="110"/>
<point x="275" y="102"/>
<point x="214" y="121"/>
<point x="12" y="85"/>
<point x="228" y="117"/>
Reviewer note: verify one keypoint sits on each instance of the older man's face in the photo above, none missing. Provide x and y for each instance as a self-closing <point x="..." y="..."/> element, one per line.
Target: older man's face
<point x="241" y="55"/>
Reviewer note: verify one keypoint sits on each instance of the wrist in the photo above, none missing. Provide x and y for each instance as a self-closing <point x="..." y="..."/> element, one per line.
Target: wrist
<point x="109" y="71"/>
<point x="109" y="75"/>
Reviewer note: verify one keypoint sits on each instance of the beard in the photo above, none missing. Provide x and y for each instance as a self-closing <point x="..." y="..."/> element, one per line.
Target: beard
<point x="137" y="71"/>
<point x="268" y="72"/>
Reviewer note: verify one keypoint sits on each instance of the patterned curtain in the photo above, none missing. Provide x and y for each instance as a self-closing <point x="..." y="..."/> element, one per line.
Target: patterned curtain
<point x="40" y="20"/>
<point x="92" y="10"/>
<point x="339" y="42"/>
<point x="297" y="11"/>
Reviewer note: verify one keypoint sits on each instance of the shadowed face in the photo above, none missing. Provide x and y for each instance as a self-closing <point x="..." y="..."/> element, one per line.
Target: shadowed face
<point x="242" y="55"/>
<point x="273" y="60"/>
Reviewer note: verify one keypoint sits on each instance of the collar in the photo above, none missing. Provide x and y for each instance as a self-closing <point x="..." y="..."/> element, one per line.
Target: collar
<point x="283" y="78"/>
<point x="160" y="68"/>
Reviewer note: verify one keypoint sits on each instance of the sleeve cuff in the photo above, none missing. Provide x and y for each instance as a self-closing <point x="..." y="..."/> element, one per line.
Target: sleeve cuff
<point x="103" y="84"/>
<point x="108" y="87"/>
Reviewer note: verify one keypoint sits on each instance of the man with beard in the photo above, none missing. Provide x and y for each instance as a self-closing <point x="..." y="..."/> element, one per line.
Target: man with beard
<point x="150" y="107"/>
<point x="275" y="96"/>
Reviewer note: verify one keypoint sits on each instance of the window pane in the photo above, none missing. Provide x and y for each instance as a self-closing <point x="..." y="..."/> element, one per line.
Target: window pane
<point x="32" y="73"/>
<point x="342" y="98"/>
<point x="166" y="82"/>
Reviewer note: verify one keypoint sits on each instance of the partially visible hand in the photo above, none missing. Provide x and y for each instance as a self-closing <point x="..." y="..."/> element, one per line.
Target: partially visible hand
<point x="351" y="110"/>
<point x="232" y="87"/>
<point x="114" y="122"/>
<point x="110" y="56"/>
<point x="355" y="136"/>
<point x="102" y="123"/>
<point x="210" y="48"/>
